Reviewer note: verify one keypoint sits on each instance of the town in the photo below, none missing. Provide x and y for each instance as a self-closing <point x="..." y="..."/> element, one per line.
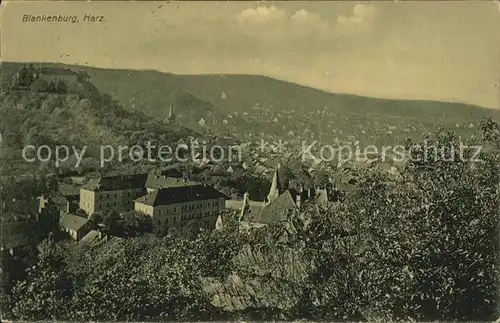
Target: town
<point x="241" y="161"/>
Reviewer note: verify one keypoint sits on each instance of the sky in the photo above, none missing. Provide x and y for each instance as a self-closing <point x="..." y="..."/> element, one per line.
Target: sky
<point x="448" y="51"/>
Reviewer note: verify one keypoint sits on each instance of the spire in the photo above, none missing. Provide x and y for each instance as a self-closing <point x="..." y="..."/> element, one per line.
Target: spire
<point x="171" y="114"/>
<point x="244" y="208"/>
<point x="274" y="192"/>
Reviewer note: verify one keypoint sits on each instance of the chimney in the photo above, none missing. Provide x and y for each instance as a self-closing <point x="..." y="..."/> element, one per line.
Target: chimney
<point x="297" y="201"/>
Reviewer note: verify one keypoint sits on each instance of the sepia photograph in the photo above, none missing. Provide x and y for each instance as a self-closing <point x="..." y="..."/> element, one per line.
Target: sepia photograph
<point x="208" y="161"/>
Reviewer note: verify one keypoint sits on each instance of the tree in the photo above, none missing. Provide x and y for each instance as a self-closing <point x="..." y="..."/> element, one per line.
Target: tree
<point x="51" y="87"/>
<point x="40" y="85"/>
<point x="44" y="293"/>
<point x="61" y="87"/>
<point x="24" y="76"/>
<point x="433" y="239"/>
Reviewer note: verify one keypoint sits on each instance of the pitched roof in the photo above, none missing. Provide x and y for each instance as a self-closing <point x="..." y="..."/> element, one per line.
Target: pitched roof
<point x="114" y="183"/>
<point x="180" y="194"/>
<point x="322" y="196"/>
<point x="59" y="200"/>
<point x="90" y="237"/>
<point x="73" y="222"/>
<point x="253" y="213"/>
<point x="275" y="211"/>
<point x="156" y="181"/>
<point x="68" y="189"/>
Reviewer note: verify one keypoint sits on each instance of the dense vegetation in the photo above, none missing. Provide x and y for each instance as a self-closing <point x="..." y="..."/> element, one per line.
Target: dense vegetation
<point x="424" y="246"/>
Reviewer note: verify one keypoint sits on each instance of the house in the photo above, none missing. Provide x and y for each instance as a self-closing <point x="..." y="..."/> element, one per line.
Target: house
<point x="66" y="204"/>
<point x="182" y="206"/>
<point x="255" y="215"/>
<point x="280" y="202"/>
<point x="112" y="193"/>
<point x="276" y="207"/>
<point x="76" y="226"/>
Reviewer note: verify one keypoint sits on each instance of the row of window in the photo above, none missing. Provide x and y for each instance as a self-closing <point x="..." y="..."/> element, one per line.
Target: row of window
<point x="185" y="208"/>
<point x="114" y="203"/>
<point x="186" y="217"/>
<point x="105" y="195"/>
<point x="84" y="196"/>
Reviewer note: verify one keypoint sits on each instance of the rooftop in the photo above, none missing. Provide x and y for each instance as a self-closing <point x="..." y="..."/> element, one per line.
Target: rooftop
<point x="275" y="211"/>
<point x="160" y="181"/>
<point x="180" y="194"/>
<point x="115" y="183"/>
<point x="71" y="221"/>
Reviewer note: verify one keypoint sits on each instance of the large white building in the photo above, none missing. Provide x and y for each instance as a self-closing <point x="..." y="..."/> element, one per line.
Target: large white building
<point x="191" y="206"/>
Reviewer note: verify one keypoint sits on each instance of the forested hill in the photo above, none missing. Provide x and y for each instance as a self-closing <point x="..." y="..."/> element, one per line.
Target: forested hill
<point x="62" y="106"/>
<point x="255" y="104"/>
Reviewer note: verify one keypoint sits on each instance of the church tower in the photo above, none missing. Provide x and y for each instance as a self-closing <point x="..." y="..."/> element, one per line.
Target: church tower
<point x="245" y="206"/>
<point x="275" y="191"/>
<point x="171" y="114"/>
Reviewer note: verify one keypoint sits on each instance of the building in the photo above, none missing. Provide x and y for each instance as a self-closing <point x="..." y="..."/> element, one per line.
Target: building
<point x="155" y="182"/>
<point x="113" y="193"/>
<point x="76" y="226"/>
<point x="280" y="202"/>
<point x="171" y="115"/>
<point x="183" y="205"/>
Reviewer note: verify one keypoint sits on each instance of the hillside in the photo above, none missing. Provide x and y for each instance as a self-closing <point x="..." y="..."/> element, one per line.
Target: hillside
<point x="243" y="104"/>
<point x="64" y="107"/>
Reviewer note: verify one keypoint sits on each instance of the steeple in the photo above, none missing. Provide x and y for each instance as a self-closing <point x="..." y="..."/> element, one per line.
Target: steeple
<point x="274" y="192"/>
<point x="245" y="206"/>
<point x="171" y="114"/>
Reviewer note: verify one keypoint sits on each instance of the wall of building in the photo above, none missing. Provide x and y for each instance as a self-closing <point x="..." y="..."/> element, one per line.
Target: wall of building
<point x="87" y="198"/>
<point x="118" y="200"/>
<point x="204" y="213"/>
